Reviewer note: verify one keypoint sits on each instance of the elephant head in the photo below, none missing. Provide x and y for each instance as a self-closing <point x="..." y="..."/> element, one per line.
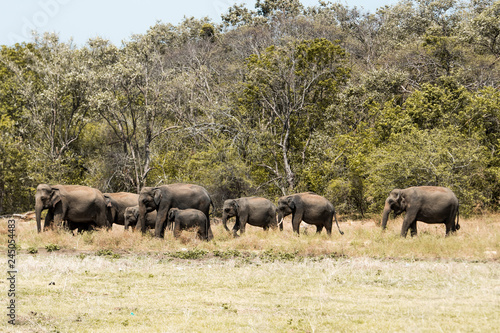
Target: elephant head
<point x="396" y="202"/>
<point x="131" y="215"/>
<point x="149" y="200"/>
<point x="229" y="210"/>
<point x="46" y="197"/>
<point x="111" y="210"/>
<point x="286" y="206"/>
<point x="172" y="213"/>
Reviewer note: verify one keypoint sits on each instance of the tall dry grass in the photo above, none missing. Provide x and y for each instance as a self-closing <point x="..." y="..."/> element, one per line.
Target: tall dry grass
<point x="478" y="239"/>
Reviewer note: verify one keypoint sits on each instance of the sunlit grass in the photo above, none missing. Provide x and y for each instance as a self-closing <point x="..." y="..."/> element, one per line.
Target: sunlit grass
<point x="364" y="281"/>
<point x="68" y="293"/>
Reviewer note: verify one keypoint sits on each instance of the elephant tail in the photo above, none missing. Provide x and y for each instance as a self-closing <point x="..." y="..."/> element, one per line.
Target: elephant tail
<point x="457" y="226"/>
<point x="335" y="215"/>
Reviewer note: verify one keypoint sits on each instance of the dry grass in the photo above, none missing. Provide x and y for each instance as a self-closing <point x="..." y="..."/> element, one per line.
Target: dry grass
<point x="364" y="281"/>
<point x="478" y="239"/>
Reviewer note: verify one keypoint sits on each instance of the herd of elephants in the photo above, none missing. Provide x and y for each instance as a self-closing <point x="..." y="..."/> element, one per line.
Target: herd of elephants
<point x="185" y="206"/>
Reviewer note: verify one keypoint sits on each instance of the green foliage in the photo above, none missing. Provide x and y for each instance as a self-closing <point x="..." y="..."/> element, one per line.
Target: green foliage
<point x="107" y="253"/>
<point x="226" y="254"/>
<point x="52" y="247"/>
<point x="272" y="256"/>
<point x="279" y="99"/>
<point x="32" y="250"/>
<point x="188" y="254"/>
<point x="439" y="157"/>
<point x="287" y="94"/>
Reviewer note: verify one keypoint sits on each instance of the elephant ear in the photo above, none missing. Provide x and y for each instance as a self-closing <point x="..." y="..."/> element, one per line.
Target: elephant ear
<point x="171" y="215"/>
<point x="107" y="200"/>
<point x="403" y="201"/>
<point x="235" y="205"/>
<point x="291" y="203"/>
<point x="55" y="197"/>
<point x="157" y="196"/>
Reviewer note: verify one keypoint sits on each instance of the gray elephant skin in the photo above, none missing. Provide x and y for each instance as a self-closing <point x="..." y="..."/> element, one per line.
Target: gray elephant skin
<point x="308" y="207"/>
<point x="429" y="204"/>
<point x="79" y="206"/>
<point x="116" y="204"/>
<point x="131" y="216"/>
<point x="184" y="219"/>
<point x="256" y="211"/>
<point x="165" y="197"/>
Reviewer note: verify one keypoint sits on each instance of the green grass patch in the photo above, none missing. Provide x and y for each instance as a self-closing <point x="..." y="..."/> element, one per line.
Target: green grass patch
<point x="52" y="247"/>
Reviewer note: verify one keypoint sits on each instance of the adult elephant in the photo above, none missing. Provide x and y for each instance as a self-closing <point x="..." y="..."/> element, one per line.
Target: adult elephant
<point x="184" y="219"/>
<point x="165" y="197"/>
<point x="131" y="216"/>
<point x="310" y="208"/>
<point x="116" y="204"/>
<point x="256" y="211"/>
<point x="74" y="204"/>
<point x="429" y="204"/>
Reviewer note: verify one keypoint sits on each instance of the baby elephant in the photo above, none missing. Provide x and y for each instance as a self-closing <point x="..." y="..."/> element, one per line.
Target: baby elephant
<point x="256" y="211"/>
<point x="131" y="216"/>
<point x="184" y="219"/>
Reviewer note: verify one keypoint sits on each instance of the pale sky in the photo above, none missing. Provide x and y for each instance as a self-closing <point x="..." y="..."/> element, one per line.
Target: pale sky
<point x="80" y="20"/>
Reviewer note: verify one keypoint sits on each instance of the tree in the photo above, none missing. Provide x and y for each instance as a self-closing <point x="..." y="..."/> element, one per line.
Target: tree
<point x="54" y="85"/>
<point x="286" y="95"/>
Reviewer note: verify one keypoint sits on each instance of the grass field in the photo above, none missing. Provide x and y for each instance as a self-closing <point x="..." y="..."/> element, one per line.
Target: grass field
<point x="364" y="281"/>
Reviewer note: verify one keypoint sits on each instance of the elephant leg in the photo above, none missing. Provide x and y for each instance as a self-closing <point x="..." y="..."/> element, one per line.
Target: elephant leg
<point x="413" y="229"/>
<point x="450" y="226"/>
<point x="410" y="218"/>
<point x="296" y="219"/>
<point x="177" y="229"/>
<point x="101" y="220"/>
<point x="319" y="228"/>
<point x="448" y="229"/>
<point x="202" y="232"/>
<point x="242" y="227"/>
<point x="450" y="223"/>
<point x="58" y="220"/>
<point x="328" y="225"/>
<point x="49" y="220"/>
<point x="236" y="226"/>
<point x="163" y="227"/>
<point x="161" y="222"/>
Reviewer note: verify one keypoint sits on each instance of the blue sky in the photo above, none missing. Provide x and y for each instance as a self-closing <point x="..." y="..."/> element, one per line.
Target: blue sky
<point x="116" y="20"/>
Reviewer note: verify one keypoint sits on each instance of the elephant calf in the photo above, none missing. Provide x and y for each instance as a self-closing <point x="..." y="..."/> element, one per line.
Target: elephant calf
<point x="184" y="219"/>
<point x="429" y="204"/>
<point x="256" y="211"/>
<point x="131" y="216"/>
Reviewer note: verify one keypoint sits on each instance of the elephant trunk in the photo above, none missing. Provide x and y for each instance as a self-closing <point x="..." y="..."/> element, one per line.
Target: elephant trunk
<point x="38" y="214"/>
<point x="141" y="221"/>
<point x="224" y="221"/>
<point x="126" y="224"/>
<point x="280" y="220"/>
<point x="385" y="215"/>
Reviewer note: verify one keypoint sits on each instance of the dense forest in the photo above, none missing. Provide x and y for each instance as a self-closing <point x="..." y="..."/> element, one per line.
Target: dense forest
<point x="279" y="99"/>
